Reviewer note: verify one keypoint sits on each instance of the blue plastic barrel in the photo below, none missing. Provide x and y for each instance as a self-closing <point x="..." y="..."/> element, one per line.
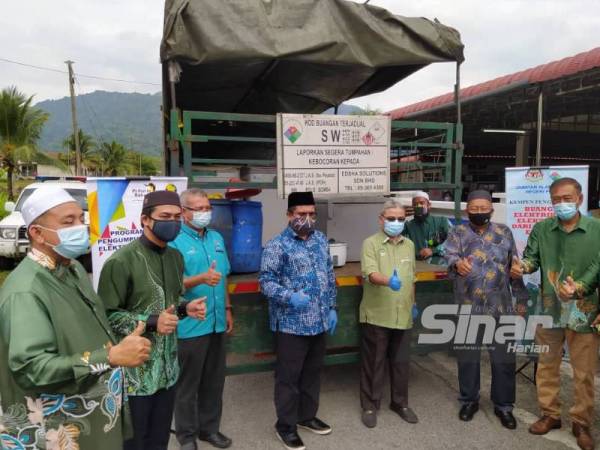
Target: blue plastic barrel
<point x="246" y="240"/>
<point x="222" y="221"/>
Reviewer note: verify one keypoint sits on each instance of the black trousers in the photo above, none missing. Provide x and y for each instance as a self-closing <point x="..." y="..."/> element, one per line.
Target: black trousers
<point x="503" y="365"/>
<point x="199" y="398"/>
<point x="381" y="346"/>
<point x="297" y="378"/>
<point x="151" y="416"/>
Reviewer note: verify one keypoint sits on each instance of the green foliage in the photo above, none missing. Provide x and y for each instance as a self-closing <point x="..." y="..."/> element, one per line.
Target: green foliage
<point x="3" y="199"/>
<point x="113" y="159"/>
<point x="367" y="111"/>
<point x="130" y="118"/>
<point x="20" y="128"/>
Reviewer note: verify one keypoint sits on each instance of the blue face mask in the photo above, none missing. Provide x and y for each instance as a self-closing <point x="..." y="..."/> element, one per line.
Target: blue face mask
<point x="393" y="228"/>
<point x="565" y="211"/>
<point x="166" y="230"/>
<point x="74" y="241"/>
<point x="201" y="219"/>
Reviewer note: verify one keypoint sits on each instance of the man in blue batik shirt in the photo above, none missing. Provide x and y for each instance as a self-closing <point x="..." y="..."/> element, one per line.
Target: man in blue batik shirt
<point x="480" y="257"/>
<point x="297" y="278"/>
<point x="201" y="344"/>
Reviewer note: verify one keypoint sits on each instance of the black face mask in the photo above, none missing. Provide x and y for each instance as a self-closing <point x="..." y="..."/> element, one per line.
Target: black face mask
<point x="166" y="230"/>
<point x="421" y="212"/>
<point x="480" y="219"/>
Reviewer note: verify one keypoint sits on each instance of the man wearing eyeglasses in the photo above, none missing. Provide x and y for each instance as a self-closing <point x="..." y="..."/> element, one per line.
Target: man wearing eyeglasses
<point x="388" y="268"/>
<point x="201" y="344"/>
<point x="480" y="257"/>
<point x="297" y="278"/>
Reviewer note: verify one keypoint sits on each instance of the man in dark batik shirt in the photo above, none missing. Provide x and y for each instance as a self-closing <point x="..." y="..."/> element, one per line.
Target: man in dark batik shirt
<point x="480" y="255"/>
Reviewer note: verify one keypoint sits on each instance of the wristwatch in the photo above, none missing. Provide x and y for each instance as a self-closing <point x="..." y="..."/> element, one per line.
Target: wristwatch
<point x="229" y="308"/>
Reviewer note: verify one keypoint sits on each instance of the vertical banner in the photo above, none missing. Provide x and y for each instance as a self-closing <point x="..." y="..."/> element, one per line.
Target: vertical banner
<point x="528" y="200"/>
<point x="333" y="155"/>
<point x="115" y="206"/>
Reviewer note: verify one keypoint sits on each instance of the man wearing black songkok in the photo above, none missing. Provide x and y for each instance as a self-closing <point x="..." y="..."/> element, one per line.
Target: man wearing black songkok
<point x="143" y="281"/>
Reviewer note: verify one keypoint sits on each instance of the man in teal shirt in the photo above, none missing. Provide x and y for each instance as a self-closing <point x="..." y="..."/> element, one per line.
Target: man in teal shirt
<point x="201" y="345"/>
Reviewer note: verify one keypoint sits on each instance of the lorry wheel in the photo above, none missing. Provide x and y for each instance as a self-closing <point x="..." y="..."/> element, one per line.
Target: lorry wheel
<point x="6" y="263"/>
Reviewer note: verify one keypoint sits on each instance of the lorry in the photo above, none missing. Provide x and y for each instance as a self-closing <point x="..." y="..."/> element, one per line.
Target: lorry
<point x="221" y="96"/>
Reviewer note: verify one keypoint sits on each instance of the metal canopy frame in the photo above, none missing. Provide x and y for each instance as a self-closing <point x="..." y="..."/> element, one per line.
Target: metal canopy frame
<point x="437" y="147"/>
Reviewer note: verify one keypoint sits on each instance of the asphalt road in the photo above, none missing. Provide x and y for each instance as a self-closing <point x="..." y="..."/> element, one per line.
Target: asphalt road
<point x="249" y="413"/>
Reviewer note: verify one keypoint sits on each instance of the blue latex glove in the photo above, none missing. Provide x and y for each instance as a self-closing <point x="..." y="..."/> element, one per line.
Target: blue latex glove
<point x="299" y="300"/>
<point x="332" y="321"/>
<point x="415" y="311"/>
<point x="395" y="284"/>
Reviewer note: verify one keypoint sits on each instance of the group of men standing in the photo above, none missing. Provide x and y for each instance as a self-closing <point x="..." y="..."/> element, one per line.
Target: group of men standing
<point x="105" y="371"/>
<point x="152" y="341"/>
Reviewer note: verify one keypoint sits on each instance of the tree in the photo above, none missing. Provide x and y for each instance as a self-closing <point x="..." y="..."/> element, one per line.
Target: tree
<point x="87" y="149"/>
<point x="367" y="111"/>
<point x="113" y="159"/>
<point x="20" y="128"/>
<point x="142" y="164"/>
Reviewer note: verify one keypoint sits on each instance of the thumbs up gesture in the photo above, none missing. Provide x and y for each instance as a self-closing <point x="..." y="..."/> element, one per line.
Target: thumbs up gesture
<point x="394" y="283"/>
<point x="516" y="268"/>
<point x="167" y="321"/>
<point x="132" y="351"/>
<point x="464" y="266"/>
<point x="197" y="308"/>
<point x="212" y="277"/>
<point x="567" y="289"/>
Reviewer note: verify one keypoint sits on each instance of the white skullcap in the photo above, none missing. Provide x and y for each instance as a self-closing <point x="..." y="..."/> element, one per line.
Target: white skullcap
<point x="43" y="199"/>
<point x="422" y="194"/>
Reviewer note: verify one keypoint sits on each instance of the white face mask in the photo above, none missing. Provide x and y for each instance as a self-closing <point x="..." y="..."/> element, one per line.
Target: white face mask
<point x="201" y="219"/>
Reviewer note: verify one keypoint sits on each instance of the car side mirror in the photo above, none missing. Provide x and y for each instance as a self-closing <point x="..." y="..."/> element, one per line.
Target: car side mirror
<point x="9" y="206"/>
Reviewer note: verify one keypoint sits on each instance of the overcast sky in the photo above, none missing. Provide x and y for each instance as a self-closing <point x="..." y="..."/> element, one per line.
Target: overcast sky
<point x="120" y="39"/>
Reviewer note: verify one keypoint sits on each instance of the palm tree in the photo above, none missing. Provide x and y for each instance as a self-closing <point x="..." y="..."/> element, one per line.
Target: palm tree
<point x="20" y="129"/>
<point x="87" y="148"/>
<point x="113" y="159"/>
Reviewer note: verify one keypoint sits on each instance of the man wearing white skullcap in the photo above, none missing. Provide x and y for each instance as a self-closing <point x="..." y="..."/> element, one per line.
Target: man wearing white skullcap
<point x="427" y="232"/>
<point x="60" y="364"/>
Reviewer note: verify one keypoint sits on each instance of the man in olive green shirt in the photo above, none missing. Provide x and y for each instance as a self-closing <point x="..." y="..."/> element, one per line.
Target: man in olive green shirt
<point x="561" y="247"/>
<point x="60" y="381"/>
<point x="388" y="268"/>
<point x="143" y="281"/>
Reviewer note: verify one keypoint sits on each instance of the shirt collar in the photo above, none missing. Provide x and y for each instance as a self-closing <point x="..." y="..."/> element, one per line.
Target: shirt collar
<point x="293" y="235"/>
<point x="489" y="227"/>
<point x="385" y="238"/>
<point x="582" y="224"/>
<point x="151" y="245"/>
<point x="42" y="259"/>
<point x="193" y="233"/>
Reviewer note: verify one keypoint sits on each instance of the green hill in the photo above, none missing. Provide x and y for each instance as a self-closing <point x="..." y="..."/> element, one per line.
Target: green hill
<point x="129" y="118"/>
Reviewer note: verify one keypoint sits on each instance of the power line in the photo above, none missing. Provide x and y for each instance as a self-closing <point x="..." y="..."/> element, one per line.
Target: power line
<point x="95" y="77"/>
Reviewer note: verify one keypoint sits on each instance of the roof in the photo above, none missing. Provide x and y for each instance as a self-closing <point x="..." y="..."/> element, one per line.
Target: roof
<point x="302" y="56"/>
<point x="544" y="72"/>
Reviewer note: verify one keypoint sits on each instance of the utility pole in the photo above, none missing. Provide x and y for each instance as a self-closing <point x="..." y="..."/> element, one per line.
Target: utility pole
<point x="74" y="118"/>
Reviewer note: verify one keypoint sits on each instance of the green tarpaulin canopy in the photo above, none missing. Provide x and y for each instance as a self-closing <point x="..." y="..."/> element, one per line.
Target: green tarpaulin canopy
<point x="267" y="56"/>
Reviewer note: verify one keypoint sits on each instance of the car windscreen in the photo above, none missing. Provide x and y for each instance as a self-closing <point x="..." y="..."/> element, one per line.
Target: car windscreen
<point x="80" y="195"/>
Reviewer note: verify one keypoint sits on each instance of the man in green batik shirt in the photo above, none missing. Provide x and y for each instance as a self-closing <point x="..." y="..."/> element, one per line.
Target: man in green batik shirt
<point x="427" y="232"/>
<point x="143" y="281"/>
<point x="60" y="381"/>
<point x="563" y="248"/>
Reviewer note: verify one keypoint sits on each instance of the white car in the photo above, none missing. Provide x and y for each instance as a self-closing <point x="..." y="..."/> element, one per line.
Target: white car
<point x="14" y="243"/>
